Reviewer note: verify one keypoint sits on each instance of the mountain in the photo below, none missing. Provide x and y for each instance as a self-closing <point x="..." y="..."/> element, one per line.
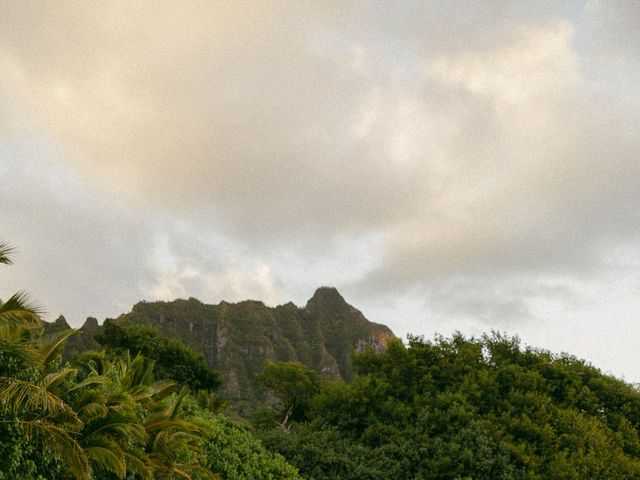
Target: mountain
<point x="81" y="341"/>
<point x="236" y="338"/>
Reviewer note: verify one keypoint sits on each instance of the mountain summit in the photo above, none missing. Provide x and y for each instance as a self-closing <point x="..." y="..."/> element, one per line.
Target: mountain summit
<point x="327" y="295"/>
<point x="236" y="338"/>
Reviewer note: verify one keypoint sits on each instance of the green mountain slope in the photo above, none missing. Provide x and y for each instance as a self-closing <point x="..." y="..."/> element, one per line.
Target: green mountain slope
<point x="237" y="338"/>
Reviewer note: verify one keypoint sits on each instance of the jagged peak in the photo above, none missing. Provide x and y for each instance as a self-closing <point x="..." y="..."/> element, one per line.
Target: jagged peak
<point x="91" y="323"/>
<point x="61" y="322"/>
<point x="326" y="295"/>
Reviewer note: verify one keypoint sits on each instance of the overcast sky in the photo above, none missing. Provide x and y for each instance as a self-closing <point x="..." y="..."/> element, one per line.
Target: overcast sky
<point x="453" y="165"/>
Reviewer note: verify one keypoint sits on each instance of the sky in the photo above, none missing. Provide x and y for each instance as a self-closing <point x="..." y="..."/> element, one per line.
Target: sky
<point x="447" y="165"/>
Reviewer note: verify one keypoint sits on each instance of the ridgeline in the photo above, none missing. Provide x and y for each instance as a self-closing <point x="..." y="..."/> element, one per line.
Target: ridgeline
<point x="237" y="338"/>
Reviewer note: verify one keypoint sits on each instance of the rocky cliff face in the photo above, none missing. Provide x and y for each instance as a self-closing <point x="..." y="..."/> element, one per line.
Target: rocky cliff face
<point x="237" y="338"/>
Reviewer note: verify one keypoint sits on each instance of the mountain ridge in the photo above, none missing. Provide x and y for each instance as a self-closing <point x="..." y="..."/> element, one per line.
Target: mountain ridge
<point x="236" y="338"/>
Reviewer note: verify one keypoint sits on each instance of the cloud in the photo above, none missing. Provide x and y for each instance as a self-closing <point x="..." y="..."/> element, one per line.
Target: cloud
<point x="482" y="157"/>
<point x="75" y="250"/>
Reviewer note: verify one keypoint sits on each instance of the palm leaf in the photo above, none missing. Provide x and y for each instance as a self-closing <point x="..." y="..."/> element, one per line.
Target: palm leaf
<point x="20" y="311"/>
<point x="54" y="379"/>
<point x="125" y="432"/>
<point x="19" y="396"/>
<point x="16" y="347"/>
<point x="5" y="251"/>
<point x="55" y="346"/>
<point x="174" y="411"/>
<point x="161" y="390"/>
<point x="92" y="380"/>
<point x="105" y="458"/>
<point x="137" y="466"/>
<point x="92" y="411"/>
<point x="137" y="373"/>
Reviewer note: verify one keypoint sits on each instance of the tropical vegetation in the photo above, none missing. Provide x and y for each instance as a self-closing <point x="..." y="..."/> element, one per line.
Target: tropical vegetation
<point x="462" y="408"/>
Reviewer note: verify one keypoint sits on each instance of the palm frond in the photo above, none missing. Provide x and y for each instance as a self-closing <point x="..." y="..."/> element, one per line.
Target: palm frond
<point x="162" y="390"/>
<point x="55" y="346"/>
<point x="176" y="408"/>
<point x="16" y="347"/>
<point x="90" y="412"/>
<point x="183" y="471"/>
<point x="107" y="458"/>
<point x="91" y="380"/>
<point x="94" y="363"/>
<point x="138" y="466"/>
<point x="19" y="396"/>
<point x="54" y="379"/>
<point x="20" y="311"/>
<point x="125" y="432"/>
<point x="162" y="469"/>
<point x="136" y="373"/>
<point x="5" y="253"/>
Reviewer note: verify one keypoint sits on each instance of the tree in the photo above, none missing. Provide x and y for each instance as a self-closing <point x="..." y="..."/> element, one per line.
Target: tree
<point x="30" y="406"/>
<point x="173" y="359"/>
<point x="18" y="310"/>
<point x="106" y="417"/>
<point x="294" y="384"/>
<point x="463" y="408"/>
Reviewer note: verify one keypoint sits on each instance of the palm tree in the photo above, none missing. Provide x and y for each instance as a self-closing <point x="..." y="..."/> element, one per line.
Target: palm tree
<point x="133" y="424"/>
<point x="103" y="415"/>
<point x="30" y="382"/>
<point x="112" y="436"/>
<point x="30" y="397"/>
<point x="18" y="309"/>
<point x="175" y="441"/>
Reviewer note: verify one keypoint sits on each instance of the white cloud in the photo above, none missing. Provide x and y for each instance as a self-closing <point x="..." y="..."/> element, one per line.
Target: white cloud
<point x="480" y="159"/>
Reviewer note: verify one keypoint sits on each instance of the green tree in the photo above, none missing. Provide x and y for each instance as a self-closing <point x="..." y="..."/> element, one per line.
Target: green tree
<point x="463" y="408"/>
<point x="293" y="384"/>
<point x="35" y="423"/>
<point x="104" y="419"/>
<point x="173" y="359"/>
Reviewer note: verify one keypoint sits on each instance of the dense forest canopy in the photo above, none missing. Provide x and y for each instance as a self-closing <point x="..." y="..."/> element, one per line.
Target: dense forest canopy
<point x="463" y="408"/>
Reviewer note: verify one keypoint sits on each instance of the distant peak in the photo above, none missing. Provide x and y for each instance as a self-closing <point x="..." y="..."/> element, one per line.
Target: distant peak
<point x="90" y="323"/>
<point x="326" y="295"/>
<point x="327" y="292"/>
<point x="61" y="322"/>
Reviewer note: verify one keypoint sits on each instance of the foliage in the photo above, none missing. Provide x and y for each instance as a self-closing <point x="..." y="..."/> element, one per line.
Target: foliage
<point x="34" y="422"/>
<point x="463" y="408"/>
<point x="111" y="421"/>
<point x="173" y="359"/>
<point x="234" y="452"/>
<point x="293" y="384"/>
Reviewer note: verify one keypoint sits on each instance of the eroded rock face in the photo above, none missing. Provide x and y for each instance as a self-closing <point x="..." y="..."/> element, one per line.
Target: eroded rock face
<point x="237" y="338"/>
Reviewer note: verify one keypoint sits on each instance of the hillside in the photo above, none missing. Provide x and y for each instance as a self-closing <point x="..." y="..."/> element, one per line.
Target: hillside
<point x="237" y="338"/>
